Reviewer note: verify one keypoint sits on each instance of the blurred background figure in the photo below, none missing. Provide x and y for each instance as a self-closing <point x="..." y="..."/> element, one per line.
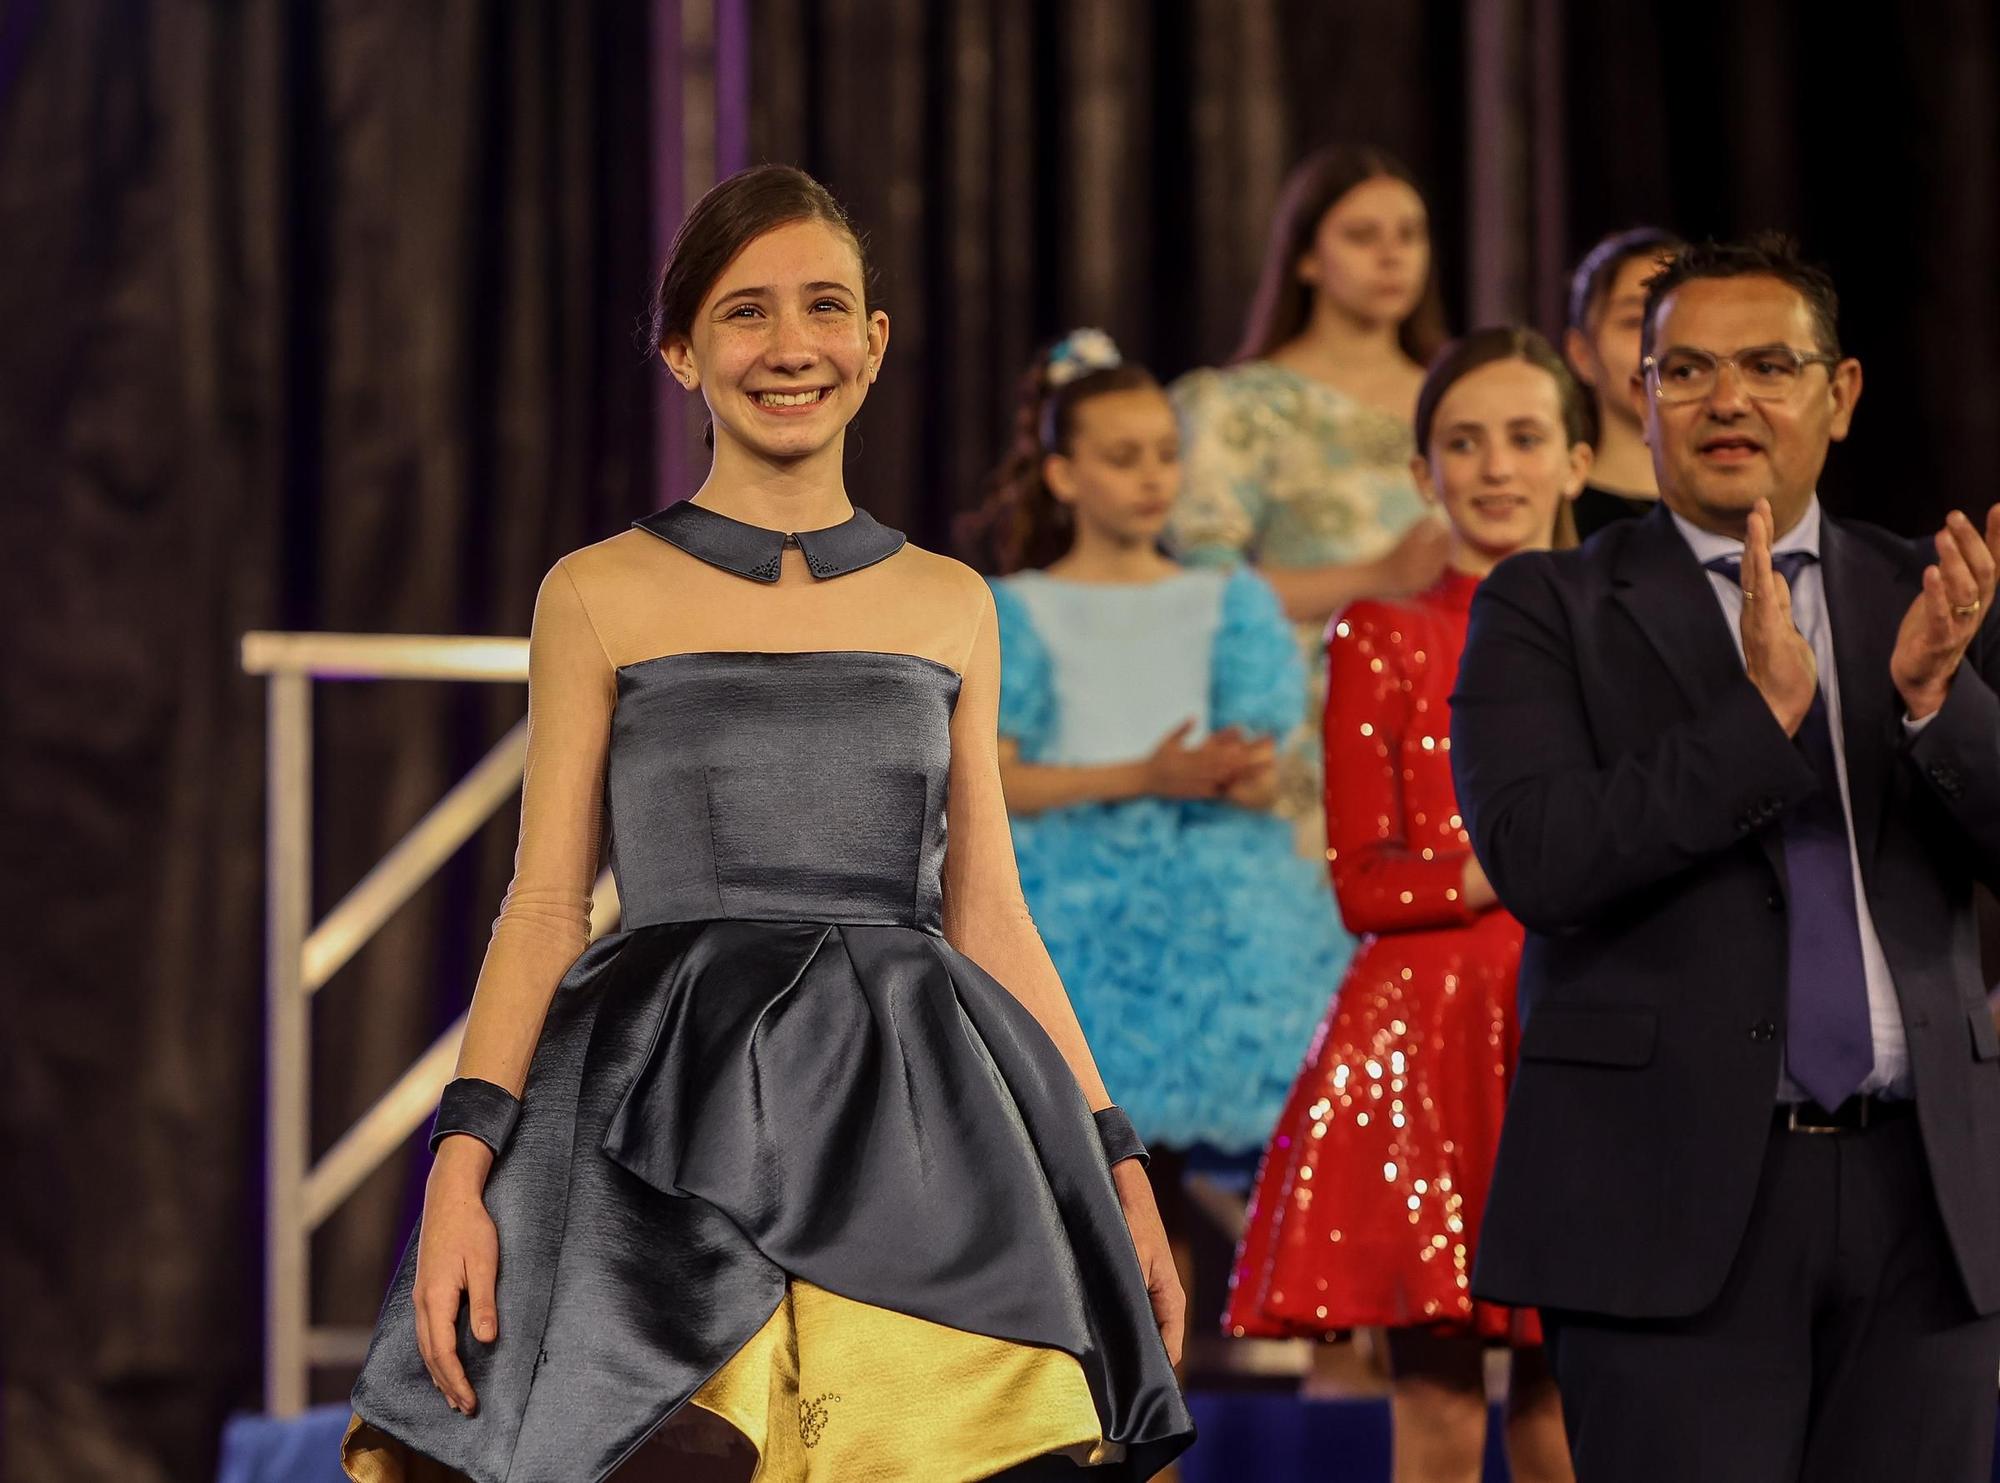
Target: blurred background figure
<point x="1140" y="702"/>
<point x="1607" y="304"/>
<point x="1298" y="452"/>
<point x="1368" y="1203"/>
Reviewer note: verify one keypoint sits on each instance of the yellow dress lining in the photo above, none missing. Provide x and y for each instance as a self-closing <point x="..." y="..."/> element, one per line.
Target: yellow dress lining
<point x="830" y="1388"/>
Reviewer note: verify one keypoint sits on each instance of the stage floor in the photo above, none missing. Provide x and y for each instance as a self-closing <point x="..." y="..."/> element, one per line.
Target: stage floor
<point x="1246" y="1437"/>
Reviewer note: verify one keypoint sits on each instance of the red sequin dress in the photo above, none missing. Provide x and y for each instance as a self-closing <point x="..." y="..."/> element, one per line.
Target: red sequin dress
<point x="1367" y="1205"/>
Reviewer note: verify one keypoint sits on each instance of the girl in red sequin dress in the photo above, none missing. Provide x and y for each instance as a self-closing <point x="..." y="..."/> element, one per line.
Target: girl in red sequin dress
<point x="1367" y="1205"/>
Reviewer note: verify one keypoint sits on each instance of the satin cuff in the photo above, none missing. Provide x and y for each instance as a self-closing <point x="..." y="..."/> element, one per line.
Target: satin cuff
<point x="480" y="1108"/>
<point x="1119" y="1137"/>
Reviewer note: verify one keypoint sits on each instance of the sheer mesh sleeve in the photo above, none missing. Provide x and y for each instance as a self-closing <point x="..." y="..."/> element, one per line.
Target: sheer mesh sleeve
<point x="985" y="915"/>
<point x="544" y="920"/>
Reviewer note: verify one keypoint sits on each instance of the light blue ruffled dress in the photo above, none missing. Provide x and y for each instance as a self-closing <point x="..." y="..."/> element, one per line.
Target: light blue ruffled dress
<point x="1198" y="947"/>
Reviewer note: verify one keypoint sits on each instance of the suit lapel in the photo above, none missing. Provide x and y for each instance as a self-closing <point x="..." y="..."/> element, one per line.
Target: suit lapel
<point x="1863" y="602"/>
<point x="1669" y="596"/>
<point x="1667" y="593"/>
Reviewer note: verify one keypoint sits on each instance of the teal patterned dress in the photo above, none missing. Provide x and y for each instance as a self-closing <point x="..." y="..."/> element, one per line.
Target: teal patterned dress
<point x="1197" y="947"/>
<point x="1285" y="471"/>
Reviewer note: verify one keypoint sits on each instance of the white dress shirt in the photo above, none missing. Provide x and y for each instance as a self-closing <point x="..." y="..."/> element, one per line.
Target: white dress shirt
<point x="1891" y="1076"/>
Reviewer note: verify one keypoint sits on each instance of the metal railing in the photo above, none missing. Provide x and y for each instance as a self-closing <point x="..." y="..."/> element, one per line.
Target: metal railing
<point x="300" y="957"/>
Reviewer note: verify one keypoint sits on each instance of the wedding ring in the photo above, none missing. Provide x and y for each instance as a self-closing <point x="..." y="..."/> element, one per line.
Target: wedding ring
<point x="1964" y="609"/>
<point x="1748" y="595"/>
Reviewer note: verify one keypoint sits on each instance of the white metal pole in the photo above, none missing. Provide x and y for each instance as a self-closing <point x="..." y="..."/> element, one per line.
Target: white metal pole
<point x="287" y="1111"/>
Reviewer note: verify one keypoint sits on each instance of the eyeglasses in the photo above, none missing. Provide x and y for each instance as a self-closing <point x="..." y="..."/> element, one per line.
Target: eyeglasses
<point x="1770" y="373"/>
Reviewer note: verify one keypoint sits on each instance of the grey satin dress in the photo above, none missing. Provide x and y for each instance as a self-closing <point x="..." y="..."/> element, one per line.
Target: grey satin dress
<point x="779" y="1068"/>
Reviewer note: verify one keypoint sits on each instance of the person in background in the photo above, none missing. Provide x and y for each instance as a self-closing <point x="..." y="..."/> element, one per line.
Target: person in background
<point x="1139" y="702"/>
<point x="1367" y="1207"/>
<point x="1607" y="301"/>
<point x="1297" y="455"/>
<point x="1736" y="766"/>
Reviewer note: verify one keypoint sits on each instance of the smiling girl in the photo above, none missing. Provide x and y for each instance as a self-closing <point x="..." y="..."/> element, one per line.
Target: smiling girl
<point x="1367" y="1207"/>
<point x="809" y="1145"/>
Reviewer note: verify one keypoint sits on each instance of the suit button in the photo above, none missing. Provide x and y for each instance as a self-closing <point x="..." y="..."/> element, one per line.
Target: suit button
<point x="1763" y="1030"/>
<point x="1775" y="902"/>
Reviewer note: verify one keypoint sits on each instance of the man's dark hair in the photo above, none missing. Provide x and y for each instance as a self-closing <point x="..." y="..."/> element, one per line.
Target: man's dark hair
<point x="1768" y="255"/>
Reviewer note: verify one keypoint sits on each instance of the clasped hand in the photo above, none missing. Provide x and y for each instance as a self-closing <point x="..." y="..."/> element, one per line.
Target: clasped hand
<point x="1227" y="764"/>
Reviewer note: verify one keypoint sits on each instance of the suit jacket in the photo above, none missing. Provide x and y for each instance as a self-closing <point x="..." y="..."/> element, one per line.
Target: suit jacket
<point x="1623" y="783"/>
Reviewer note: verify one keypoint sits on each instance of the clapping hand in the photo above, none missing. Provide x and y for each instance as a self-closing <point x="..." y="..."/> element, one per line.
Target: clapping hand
<point x="1776" y="655"/>
<point x="1957" y="594"/>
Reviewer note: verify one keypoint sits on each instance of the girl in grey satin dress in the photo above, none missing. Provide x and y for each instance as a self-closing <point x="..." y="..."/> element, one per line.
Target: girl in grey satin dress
<point x="814" y="1141"/>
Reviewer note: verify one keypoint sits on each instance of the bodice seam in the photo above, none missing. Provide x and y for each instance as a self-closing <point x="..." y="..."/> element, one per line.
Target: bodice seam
<point x="924" y="659"/>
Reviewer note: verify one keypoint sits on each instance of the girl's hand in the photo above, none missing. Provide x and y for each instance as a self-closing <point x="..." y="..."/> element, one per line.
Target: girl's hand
<point x="1256" y="787"/>
<point x="1177" y="770"/>
<point x="458" y="1252"/>
<point x="1156" y="1258"/>
<point x="1414" y="562"/>
<point x="1474" y="889"/>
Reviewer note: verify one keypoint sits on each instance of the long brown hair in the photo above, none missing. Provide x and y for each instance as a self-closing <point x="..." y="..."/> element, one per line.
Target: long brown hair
<point x="1501" y="342"/>
<point x="1021" y="523"/>
<point x="1282" y="306"/>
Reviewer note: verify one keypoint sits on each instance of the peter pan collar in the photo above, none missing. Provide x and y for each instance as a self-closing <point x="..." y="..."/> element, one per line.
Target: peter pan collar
<point x="757" y="553"/>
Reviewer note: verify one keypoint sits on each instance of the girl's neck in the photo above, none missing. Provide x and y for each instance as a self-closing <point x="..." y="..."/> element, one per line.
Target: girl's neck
<point x="1334" y="340"/>
<point x="1624" y="464"/>
<point x="1103" y="559"/>
<point x="1474" y="561"/>
<point x="806" y="494"/>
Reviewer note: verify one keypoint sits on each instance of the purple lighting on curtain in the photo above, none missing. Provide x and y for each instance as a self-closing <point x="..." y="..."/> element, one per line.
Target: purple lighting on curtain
<point x="700" y="56"/>
<point x="732" y="86"/>
<point x="669" y="426"/>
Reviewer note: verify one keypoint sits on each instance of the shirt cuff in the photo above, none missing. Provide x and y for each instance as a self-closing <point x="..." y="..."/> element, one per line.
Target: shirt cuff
<point x="1916" y="728"/>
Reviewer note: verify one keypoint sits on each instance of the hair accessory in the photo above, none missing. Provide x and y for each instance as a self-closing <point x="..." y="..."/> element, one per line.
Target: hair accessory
<point x="1079" y="353"/>
<point x="485" y="1111"/>
<point x="1119" y="1137"/>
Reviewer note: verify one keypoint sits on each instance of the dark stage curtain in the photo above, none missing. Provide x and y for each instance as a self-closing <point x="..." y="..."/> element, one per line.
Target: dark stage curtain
<point x="1878" y="144"/>
<point x="1026" y="168"/>
<point x="317" y="316"/>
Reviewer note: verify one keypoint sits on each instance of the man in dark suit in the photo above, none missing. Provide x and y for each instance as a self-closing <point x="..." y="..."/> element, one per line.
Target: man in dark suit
<point x="1736" y="766"/>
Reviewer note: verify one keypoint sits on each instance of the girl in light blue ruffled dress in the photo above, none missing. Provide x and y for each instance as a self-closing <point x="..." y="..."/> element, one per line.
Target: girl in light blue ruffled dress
<point x="1139" y="705"/>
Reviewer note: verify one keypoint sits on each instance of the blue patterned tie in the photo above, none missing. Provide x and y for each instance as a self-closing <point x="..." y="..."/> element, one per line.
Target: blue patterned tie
<point x="1829" y="1046"/>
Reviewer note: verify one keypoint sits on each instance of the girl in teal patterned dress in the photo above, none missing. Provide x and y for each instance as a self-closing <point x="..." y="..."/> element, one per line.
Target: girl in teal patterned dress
<point x="1139" y="704"/>
<point x="1298" y="454"/>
